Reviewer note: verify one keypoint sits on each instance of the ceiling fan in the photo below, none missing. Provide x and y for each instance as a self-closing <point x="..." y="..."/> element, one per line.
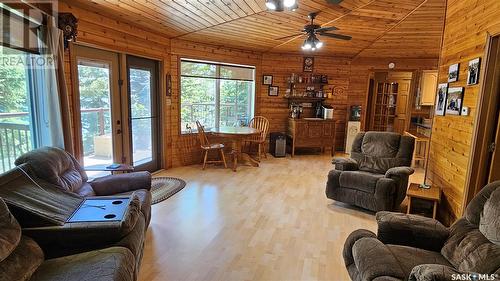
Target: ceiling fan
<point x="312" y="31"/>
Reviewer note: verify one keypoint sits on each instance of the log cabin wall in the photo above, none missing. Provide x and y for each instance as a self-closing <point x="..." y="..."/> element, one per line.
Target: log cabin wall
<point x="282" y="65"/>
<point x="467" y="26"/>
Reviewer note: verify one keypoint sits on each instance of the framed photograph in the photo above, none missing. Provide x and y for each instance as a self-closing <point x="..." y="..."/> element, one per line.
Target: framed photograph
<point x="441" y="98"/>
<point x="267" y="80"/>
<point x="453" y="72"/>
<point x="454" y="100"/>
<point x="308" y="64"/>
<point x="473" y="71"/>
<point x="273" y="91"/>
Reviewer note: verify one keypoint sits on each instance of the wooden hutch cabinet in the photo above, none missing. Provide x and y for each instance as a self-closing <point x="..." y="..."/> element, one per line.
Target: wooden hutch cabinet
<point x="311" y="132"/>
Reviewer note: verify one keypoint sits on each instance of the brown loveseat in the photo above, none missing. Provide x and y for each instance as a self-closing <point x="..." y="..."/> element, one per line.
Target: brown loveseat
<point x="22" y="259"/>
<point x="376" y="175"/>
<point x="411" y="247"/>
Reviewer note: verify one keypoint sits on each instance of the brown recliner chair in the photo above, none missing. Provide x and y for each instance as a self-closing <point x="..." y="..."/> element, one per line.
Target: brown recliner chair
<point x="61" y="169"/>
<point x="411" y="247"/>
<point x="376" y="175"/>
<point x="22" y="259"/>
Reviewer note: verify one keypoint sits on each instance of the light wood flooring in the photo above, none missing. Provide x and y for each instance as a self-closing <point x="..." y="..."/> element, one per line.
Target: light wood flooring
<point x="268" y="223"/>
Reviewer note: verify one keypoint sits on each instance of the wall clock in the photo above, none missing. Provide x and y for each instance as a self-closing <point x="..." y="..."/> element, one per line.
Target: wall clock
<point x="308" y="64"/>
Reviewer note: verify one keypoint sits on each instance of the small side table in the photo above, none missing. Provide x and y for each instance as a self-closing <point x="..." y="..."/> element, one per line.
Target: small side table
<point x="124" y="168"/>
<point x="432" y="194"/>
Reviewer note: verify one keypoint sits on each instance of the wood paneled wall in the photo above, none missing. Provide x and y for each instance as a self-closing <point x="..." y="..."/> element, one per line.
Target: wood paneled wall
<point x="467" y="26"/>
<point x="282" y="65"/>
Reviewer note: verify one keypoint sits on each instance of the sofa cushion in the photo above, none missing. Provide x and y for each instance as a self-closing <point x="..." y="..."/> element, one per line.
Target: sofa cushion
<point x="409" y="257"/>
<point x="360" y="180"/>
<point x="10" y="232"/>
<point x="468" y="250"/>
<point x="55" y="166"/>
<point x="115" y="263"/>
<point x="489" y="224"/>
<point x="22" y="262"/>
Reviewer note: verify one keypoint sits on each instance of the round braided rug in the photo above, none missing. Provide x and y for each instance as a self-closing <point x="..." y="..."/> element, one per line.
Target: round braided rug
<point x="164" y="187"/>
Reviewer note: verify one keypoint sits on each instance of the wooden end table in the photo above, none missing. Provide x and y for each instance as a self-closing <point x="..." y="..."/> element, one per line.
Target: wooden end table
<point x="432" y="194"/>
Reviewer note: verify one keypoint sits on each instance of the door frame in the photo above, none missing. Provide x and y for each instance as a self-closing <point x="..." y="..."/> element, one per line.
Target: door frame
<point x="156" y="106"/>
<point x="487" y="105"/>
<point x="91" y="53"/>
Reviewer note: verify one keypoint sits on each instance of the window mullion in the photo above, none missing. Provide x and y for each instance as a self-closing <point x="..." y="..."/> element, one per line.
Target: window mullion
<point x="217" y="96"/>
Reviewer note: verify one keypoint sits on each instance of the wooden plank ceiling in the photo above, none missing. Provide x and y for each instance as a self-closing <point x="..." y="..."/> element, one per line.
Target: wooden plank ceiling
<point x="394" y="28"/>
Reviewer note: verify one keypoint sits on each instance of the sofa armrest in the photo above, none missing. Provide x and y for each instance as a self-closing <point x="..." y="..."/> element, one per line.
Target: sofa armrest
<point x="399" y="172"/>
<point x="349" y="243"/>
<point x="411" y="230"/>
<point x="374" y="260"/>
<point x="345" y="164"/>
<point x="121" y="183"/>
<point x="433" y="272"/>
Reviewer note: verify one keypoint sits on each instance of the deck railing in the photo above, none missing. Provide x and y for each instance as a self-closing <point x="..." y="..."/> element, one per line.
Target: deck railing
<point x="15" y="140"/>
<point x="16" y="136"/>
<point x="205" y="113"/>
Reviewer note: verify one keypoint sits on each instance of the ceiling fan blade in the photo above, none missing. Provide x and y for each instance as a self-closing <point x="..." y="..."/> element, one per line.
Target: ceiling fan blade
<point x="326" y="28"/>
<point x="334" y="1"/>
<point x="289" y="36"/>
<point x="336" y="36"/>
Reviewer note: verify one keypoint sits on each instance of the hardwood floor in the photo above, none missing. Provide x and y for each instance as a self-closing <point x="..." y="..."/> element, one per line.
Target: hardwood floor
<point x="267" y="223"/>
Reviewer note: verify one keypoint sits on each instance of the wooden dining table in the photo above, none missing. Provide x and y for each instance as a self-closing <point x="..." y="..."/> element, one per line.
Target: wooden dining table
<point x="237" y="135"/>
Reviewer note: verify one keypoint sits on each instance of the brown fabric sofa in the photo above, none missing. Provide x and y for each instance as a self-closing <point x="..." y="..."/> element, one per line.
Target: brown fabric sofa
<point x="410" y="247"/>
<point x="376" y="175"/>
<point x="22" y="259"/>
<point x="61" y="169"/>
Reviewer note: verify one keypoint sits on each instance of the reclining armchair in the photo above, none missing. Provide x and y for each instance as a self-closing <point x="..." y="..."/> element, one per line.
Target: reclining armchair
<point x="376" y="175"/>
<point x="411" y="247"/>
<point x="61" y="169"/>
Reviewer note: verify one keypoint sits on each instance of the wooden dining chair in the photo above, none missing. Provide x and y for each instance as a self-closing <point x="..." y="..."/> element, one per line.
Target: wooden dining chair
<point x="262" y="124"/>
<point x="206" y="147"/>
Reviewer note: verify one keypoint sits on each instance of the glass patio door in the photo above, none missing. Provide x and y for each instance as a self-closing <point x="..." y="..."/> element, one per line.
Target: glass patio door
<point x="99" y="103"/>
<point x="143" y="113"/>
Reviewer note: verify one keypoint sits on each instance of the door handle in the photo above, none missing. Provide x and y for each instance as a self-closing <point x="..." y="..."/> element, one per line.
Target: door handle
<point x="118" y="131"/>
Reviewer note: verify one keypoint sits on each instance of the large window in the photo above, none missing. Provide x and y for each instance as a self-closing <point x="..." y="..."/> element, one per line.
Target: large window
<point x="216" y="94"/>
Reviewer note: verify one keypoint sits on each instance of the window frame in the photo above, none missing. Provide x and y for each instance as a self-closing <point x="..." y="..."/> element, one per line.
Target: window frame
<point x="217" y="78"/>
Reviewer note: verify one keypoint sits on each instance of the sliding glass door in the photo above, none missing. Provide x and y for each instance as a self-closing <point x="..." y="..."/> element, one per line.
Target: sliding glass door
<point x="143" y="112"/>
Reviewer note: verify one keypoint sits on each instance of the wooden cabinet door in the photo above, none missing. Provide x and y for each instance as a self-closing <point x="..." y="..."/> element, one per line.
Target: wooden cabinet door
<point x="428" y="87"/>
<point x="402" y="106"/>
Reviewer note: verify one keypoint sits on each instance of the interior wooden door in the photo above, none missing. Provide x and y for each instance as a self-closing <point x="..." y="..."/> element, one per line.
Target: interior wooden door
<point x="402" y="107"/>
<point x="495" y="159"/>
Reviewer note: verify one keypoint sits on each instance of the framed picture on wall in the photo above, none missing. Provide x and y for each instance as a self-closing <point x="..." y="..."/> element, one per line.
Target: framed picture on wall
<point x="473" y="71"/>
<point x="308" y="64"/>
<point x="442" y="91"/>
<point x="273" y="91"/>
<point x="267" y="80"/>
<point x="454" y="100"/>
<point x="453" y="72"/>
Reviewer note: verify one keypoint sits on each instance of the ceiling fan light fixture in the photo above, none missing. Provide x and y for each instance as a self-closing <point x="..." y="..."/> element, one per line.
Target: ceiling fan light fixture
<point x="271" y="4"/>
<point x="289" y="3"/>
<point x="319" y="44"/>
